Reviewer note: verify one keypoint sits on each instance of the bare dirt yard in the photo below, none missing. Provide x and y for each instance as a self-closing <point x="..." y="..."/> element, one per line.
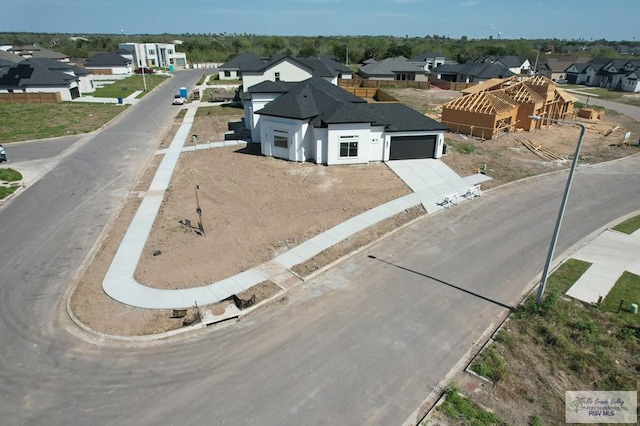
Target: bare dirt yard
<point x="254" y="208"/>
<point x="506" y="157"/>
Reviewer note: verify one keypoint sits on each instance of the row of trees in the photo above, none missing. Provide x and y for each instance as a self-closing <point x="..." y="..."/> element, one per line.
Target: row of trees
<point x="222" y="47"/>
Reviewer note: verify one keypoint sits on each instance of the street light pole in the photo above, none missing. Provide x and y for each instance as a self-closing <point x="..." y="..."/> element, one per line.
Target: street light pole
<point x="563" y="204"/>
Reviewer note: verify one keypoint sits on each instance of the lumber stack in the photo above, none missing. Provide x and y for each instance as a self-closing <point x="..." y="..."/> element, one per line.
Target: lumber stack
<point x="541" y="151"/>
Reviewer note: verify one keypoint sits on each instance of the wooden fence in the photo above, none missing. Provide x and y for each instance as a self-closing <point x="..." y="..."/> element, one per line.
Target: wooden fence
<point x="360" y="82"/>
<point x="104" y="71"/>
<point x="372" y="93"/>
<point x="30" y="98"/>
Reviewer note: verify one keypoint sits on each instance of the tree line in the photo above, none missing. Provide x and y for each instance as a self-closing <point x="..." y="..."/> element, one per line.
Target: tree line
<point x="350" y="50"/>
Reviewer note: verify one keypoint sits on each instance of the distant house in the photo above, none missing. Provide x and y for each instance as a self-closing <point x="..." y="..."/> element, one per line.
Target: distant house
<point x="515" y="64"/>
<point x="109" y="63"/>
<point x="5" y="45"/>
<point x="230" y="70"/>
<point x="608" y="73"/>
<point x="29" y="77"/>
<point x="7" y="60"/>
<point x="429" y="60"/>
<point x="580" y="73"/>
<point x="554" y="67"/>
<point x="35" y="51"/>
<point x="399" y="69"/>
<point x="83" y="76"/>
<point x="614" y="73"/>
<point x="630" y="82"/>
<point x="314" y="120"/>
<point x="155" y="55"/>
<point x="471" y="72"/>
<point x="284" y="68"/>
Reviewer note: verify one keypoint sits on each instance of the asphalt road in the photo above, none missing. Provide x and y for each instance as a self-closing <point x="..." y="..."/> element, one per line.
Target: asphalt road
<point x="363" y="343"/>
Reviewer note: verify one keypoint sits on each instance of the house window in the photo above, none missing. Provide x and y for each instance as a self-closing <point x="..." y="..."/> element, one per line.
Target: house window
<point x="227" y="73"/>
<point x="280" y="139"/>
<point x="152" y="52"/>
<point x="277" y="76"/>
<point x="348" y="146"/>
<point x="170" y="52"/>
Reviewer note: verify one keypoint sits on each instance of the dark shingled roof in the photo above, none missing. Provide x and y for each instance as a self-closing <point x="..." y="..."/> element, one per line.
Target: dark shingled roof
<point x="317" y="98"/>
<point x="511" y="61"/>
<point x="481" y="70"/>
<point x="390" y="66"/>
<point x="317" y="66"/>
<point x="107" y="60"/>
<point x="401" y="118"/>
<point x="240" y="60"/>
<point x="50" y="64"/>
<point x="264" y="63"/>
<point x="324" y="103"/>
<point x="27" y="75"/>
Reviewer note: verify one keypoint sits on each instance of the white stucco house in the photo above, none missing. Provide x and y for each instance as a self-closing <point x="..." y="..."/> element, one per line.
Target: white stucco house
<point x="630" y="82"/>
<point x="27" y="77"/>
<point x="152" y="55"/>
<point x="429" y="60"/>
<point x="253" y="69"/>
<point x="316" y="121"/>
<point x="618" y="74"/>
<point x="230" y="70"/>
<point x="515" y="64"/>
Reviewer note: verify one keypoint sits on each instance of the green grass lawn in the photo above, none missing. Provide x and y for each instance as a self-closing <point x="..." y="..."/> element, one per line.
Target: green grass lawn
<point x="5" y="191"/>
<point x="127" y="86"/>
<point x="38" y="121"/>
<point x="629" y="226"/>
<point x="564" y="344"/>
<point x="627" y="288"/>
<point x="10" y="175"/>
<point x="464" y="411"/>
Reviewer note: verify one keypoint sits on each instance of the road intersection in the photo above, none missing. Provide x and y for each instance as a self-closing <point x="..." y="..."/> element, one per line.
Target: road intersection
<point x="363" y="343"/>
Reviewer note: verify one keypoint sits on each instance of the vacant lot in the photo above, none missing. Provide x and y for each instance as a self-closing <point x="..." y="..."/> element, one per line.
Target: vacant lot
<point x="22" y="122"/>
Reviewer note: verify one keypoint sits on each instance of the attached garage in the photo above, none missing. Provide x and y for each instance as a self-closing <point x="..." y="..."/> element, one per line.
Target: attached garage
<point x="412" y="147"/>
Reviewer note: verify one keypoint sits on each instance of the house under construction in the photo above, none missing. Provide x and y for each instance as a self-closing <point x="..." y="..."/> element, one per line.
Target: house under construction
<point x="498" y="106"/>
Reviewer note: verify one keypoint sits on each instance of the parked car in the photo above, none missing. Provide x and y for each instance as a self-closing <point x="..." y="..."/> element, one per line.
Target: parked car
<point x="144" y="70"/>
<point x="562" y="81"/>
<point x="178" y="100"/>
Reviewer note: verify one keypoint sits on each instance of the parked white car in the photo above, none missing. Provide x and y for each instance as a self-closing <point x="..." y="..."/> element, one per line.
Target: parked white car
<point x="178" y="100"/>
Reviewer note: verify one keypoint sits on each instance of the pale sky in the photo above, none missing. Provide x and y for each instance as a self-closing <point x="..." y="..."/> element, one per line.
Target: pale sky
<point x="561" y="19"/>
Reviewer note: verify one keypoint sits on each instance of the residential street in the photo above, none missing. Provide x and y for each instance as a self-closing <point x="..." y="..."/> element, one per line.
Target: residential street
<point x="363" y="343"/>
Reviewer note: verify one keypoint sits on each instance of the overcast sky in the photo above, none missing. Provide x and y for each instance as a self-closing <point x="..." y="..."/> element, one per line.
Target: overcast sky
<point x="562" y="19"/>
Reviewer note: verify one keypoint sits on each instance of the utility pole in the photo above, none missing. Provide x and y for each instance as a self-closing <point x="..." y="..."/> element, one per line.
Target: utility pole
<point x="563" y="204"/>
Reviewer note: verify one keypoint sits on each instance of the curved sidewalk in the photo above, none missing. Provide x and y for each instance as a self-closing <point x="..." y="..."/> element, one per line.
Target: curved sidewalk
<point x="119" y="282"/>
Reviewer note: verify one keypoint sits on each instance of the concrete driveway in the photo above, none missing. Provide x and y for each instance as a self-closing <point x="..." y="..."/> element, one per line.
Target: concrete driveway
<point x="434" y="182"/>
